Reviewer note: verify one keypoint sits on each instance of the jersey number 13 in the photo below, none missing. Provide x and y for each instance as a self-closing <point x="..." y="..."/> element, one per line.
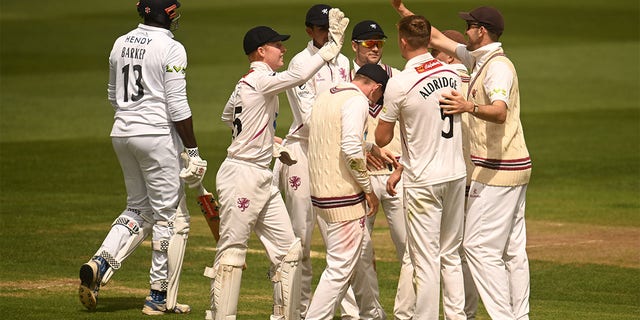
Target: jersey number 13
<point x="137" y="74"/>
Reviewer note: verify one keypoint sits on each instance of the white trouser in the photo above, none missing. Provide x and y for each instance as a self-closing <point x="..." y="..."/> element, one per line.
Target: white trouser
<point x="349" y="309"/>
<point x="293" y="181"/>
<point x="471" y="297"/>
<point x="435" y="216"/>
<point x="393" y="208"/>
<point x="344" y="246"/>
<point x="151" y="168"/>
<point x="249" y="202"/>
<point x="494" y="244"/>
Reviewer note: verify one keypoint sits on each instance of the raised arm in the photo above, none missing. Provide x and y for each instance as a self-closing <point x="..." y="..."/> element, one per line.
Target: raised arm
<point x="438" y="40"/>
<point x="400" y="8"/>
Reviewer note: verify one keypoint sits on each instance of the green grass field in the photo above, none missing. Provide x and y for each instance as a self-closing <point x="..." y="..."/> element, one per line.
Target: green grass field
<point x="61" y="186"/>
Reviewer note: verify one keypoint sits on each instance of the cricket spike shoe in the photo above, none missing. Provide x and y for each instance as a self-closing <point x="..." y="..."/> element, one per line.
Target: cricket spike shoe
<point x="90" y="277"/>
<point x="157" y="308"/>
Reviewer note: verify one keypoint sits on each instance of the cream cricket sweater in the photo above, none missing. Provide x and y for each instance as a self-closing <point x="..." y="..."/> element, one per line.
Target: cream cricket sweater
<point x="498" y="151"/>
<point x="335" y="194"/>
<point x="464" y="120"/>
<point x="394" y="145"/>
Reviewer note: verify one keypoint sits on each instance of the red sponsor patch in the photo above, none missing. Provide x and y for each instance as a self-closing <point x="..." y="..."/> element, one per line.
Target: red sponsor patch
<point x="429" y="65"/>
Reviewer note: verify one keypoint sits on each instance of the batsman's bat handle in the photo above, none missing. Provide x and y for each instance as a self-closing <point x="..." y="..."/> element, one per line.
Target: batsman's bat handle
<point x="201" y="189"/>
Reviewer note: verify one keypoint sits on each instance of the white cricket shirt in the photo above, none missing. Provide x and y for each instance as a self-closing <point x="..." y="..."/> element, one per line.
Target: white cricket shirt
<point x="301" y="97"/>
<point x="147" y="85"/>
<point x="253" y="107"/>
<point x="431" y="141"/>
<point x="499" y="78"/>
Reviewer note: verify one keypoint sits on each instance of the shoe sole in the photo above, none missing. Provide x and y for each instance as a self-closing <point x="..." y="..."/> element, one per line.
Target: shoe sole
<point x="87" y="282"/>
<point x="151" y="312"/>
<point x="181" y="309"/>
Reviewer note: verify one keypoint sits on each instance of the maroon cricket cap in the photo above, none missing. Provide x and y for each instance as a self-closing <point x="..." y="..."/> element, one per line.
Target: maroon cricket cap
<point x="455" y="36"/>
<point x="489" y="17"/>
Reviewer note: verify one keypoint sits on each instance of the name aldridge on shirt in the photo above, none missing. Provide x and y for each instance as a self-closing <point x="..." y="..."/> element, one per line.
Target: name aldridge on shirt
<point x="438" y="83"/>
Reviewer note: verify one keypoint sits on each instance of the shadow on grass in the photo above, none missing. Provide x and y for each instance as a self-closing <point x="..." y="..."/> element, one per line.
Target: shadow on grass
<point x="114" y="304"/>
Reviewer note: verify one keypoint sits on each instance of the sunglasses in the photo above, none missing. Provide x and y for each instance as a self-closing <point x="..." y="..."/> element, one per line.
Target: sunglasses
<point x="371" y="43"/>
<point x="471" y="25"/>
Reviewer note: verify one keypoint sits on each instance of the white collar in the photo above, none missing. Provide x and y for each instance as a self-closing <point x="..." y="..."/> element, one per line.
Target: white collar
<point x="155" y="29"/>
<point x="482" y="54"/>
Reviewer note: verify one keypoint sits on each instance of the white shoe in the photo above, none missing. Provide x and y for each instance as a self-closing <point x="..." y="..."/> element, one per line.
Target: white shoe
<point x="157" y="308"/>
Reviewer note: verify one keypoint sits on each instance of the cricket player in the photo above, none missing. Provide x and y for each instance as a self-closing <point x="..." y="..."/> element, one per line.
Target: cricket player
<point x="471" y="297"/>
<point x="293" y="181"/>
<point x="433" y="169"/>
<point x="340" y="186"/>
<point x="367" y="42"/>
<point x="496" y="252"/>
<point x="248" y="199"/>
<point x="152" y="125"/>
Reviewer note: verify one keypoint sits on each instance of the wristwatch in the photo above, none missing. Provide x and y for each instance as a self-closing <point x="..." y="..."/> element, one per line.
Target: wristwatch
<point x="475" y="108"/>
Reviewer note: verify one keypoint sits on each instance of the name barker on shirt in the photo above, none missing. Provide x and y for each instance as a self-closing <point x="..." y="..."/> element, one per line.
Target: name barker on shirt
<point x="436" y="83"/>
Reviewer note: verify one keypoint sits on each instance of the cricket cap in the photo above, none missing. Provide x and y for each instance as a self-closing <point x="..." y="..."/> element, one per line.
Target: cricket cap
<point x="455" y="35"/>
<point x="376" y="73"/>
<point x="366" y="30"/>
<point x="489" y="17"/>
<point x="260" y="35"/>
<point x="318" y="15"/>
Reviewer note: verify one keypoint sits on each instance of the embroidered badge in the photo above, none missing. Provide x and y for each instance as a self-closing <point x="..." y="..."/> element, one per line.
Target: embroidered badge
<point x="295" y="182"/>
<point x="243" y="203"/>
<point x="343" y="74"/>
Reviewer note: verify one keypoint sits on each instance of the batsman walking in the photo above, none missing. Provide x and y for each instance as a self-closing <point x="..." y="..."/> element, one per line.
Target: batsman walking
<point x="152" y="125"/>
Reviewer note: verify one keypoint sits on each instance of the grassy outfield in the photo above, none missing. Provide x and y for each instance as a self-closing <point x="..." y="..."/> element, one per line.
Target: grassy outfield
<point x="61" y="186"/>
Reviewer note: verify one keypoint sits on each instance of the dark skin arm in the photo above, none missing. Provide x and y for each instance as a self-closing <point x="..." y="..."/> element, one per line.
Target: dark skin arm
<point x="185" y="131"/>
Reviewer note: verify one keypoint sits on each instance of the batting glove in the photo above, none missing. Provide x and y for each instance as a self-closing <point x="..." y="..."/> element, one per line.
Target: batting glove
<point x="194" y="172"/>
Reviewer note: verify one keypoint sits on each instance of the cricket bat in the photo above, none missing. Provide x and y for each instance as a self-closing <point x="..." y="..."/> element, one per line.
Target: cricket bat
<point x="210" y="209"/>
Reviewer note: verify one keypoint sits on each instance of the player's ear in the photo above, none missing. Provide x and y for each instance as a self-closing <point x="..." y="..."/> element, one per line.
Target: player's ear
<point x="261" y="51"/>
<point x="403" y="42"/>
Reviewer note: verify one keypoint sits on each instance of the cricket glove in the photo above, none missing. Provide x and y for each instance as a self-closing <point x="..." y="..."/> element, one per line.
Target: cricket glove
<point x="194" y="171"/>
<point x="337" y="25"/>
<point x="284" y="154"/>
